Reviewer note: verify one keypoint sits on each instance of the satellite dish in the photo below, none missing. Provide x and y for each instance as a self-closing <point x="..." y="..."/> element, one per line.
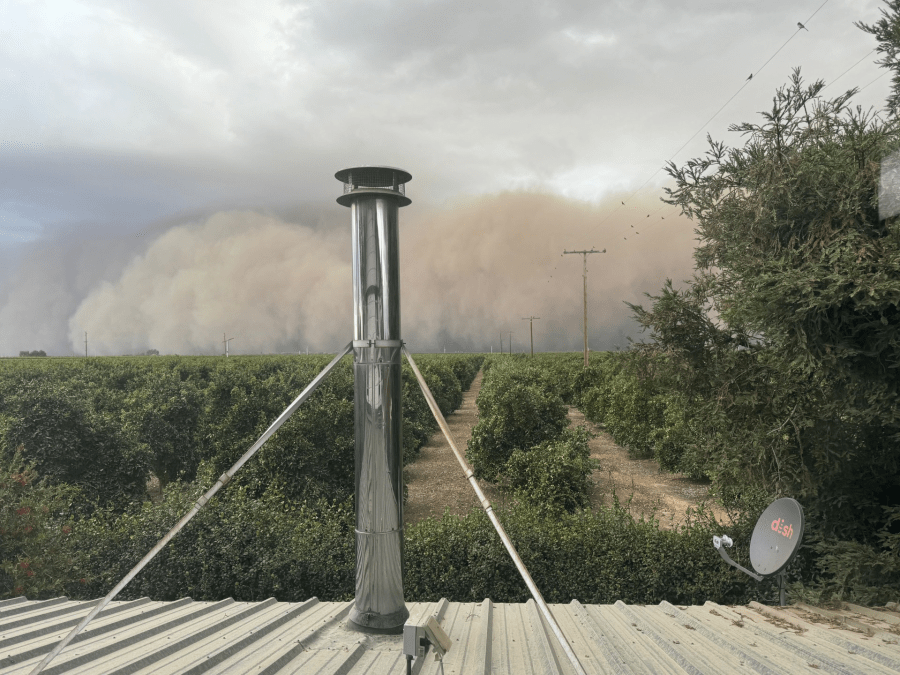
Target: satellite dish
<point x="774" y="542"/>
<point x="776" y="536"/>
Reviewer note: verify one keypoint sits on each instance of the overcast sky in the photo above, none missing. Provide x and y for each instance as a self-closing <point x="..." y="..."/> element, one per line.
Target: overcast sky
<point x="166" y="167"/>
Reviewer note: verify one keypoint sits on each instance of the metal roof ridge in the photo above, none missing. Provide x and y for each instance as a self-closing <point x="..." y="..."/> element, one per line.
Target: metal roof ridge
<point x="546" y="654"/>
<point x="233" y="648"/>
<point x="825" y="635"/>
<point x="613" y="657"/>
<point x="677" y="655"/>
<point x="716" y="638"/>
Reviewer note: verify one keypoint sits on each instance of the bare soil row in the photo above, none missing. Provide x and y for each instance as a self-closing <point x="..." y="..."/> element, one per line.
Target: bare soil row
<point x="437" y="483"/>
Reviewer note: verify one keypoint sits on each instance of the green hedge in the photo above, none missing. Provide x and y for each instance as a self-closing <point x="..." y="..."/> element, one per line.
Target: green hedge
<point x="247" y="549"/>
<point x="309" y="457"/>
<point x="35" y="532"/>
<point x="512" y="413"/>
<point x="647" y="419"/>
<point x="253" y="549"/>
<point x="554" y="475"/>
<point x="68" y="442"/>
<point x="595" y="557"/>
<point x="104" y="423"/>
<point x="851" y="571"/>
<point x="442" y="381"/>
<point x="522" y="440"/>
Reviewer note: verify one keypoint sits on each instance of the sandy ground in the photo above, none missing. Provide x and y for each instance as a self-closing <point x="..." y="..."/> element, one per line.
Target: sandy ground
<point x="437" y="483"/>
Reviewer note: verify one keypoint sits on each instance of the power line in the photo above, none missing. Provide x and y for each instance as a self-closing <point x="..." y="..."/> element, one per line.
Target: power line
<point x="705" y="124"/>
<point x="847" y="71"/>
<point x="876" y="79"/>
<point x="817" y="11"/>
<point x="645" y="224"/>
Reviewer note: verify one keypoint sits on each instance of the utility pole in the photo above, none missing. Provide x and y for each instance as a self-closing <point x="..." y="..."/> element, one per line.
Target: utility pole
<point x="225" y="342"/>
<point x="585" y="254"/>
<point x="501" y="342"/>
<point x="85" y="344"/>
<point x="510" y="342"/>
<point x="531" y="319"/>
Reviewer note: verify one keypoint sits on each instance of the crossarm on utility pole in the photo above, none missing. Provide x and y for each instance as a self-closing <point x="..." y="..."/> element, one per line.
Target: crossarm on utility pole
<point x="223" y="480"/>
<point x="486" y="505"/>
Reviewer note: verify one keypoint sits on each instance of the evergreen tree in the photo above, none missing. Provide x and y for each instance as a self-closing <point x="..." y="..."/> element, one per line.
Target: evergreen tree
<point x="797" y="381"/>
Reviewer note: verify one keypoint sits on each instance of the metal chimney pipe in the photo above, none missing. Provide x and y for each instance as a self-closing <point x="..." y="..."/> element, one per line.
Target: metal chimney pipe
<point x="374" y="194"/>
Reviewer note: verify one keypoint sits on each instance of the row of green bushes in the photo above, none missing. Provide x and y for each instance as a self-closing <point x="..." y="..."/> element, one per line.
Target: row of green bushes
<point x="258" y="540"/>
<point x="654" y="407"/>
<point x="93" y="430"/>
<point x="522" y="440"/>
<point x="776" y="366"/>
<point x="254" y="548"/>
<point x="251" y="545"/>
<point x="104" y="424"/>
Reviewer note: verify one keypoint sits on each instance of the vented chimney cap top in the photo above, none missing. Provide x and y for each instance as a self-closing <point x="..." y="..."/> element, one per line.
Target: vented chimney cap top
<point x="373" y="180"/>
<point x="373" y="176"/>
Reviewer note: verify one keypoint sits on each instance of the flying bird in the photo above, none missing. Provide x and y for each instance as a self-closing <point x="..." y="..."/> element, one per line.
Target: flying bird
<point x="623" y="203"/>
<point x="800" y="25"/>
<point x="751" y="77"/>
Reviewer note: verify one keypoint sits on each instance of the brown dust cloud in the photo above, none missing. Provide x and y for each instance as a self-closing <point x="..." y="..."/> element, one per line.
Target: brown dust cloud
<point x="470" y="272"/>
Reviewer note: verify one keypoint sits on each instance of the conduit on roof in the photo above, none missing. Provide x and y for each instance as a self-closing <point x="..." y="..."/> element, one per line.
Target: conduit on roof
<point x="489" y="510"/>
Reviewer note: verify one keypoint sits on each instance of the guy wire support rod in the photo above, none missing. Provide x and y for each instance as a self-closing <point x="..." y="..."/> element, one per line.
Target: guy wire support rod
<point x="489" y="510"/>
<point x="224" y="479"/>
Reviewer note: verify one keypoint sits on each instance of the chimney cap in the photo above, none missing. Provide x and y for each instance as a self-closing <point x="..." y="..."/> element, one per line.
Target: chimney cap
<point x="373" y="176"/>
<point x="378" y="180"/>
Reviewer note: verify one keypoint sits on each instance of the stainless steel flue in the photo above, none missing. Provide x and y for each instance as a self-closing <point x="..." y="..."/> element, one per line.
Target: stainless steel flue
<point x="374" y="194"/>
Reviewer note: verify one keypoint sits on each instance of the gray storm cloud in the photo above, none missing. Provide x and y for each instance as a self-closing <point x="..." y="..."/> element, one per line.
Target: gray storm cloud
<point x="469" y="271"/>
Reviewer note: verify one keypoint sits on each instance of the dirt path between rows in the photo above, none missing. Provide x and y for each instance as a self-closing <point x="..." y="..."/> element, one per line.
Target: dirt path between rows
<point x="642" y="481"/>
<point x="437" y="484"/>
<point x="435" y="480"/>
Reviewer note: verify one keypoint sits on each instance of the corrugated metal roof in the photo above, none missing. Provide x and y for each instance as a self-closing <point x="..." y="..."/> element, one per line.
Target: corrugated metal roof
<point x="143" y="636"/>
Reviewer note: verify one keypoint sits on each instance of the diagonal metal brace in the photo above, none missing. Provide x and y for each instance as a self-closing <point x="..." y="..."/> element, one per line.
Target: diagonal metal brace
<point x="185" y="519"/>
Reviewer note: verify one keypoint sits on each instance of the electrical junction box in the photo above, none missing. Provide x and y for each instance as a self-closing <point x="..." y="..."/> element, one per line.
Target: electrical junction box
<point x="417" y="637"/>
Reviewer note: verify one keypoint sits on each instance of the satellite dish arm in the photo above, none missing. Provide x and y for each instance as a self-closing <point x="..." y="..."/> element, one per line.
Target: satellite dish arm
<point x="725" y="539"/>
